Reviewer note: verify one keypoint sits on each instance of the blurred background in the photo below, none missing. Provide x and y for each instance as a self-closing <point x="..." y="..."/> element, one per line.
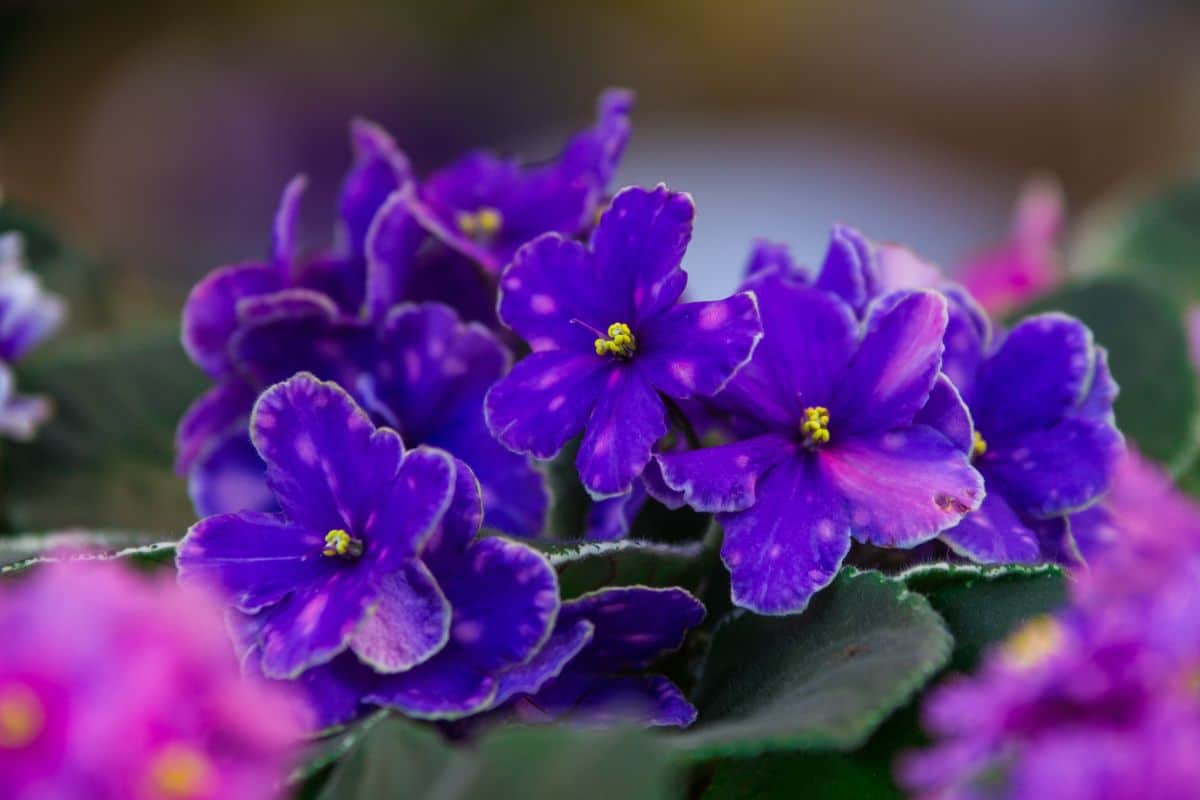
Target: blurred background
<point x="157" y="135"/>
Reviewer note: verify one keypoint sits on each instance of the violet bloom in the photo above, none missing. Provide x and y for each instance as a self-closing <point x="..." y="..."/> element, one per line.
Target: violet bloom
<point x="842" y="433"/>
<point x="486" y="207"/>
<point x="609" y="339"/>
<point x="113" y="685"/>
<point x="28" y="314"/>
<point x="369" y="583"/>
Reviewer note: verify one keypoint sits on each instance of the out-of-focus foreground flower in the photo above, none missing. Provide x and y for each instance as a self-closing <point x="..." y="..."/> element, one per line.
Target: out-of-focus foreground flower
<point x="114" y="685"/>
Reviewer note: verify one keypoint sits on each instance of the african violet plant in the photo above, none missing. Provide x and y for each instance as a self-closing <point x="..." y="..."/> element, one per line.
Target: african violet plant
<point x="484" y="499"/>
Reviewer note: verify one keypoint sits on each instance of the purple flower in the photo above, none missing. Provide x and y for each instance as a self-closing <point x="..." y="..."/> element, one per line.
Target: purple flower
<point x="369" y="586"/>
<point x="115" y="686"/>
<point x="28" y="314"/>
<point x="609" y="339"/>
<point x="486" y="207"/>
<point x="841" y="433"/>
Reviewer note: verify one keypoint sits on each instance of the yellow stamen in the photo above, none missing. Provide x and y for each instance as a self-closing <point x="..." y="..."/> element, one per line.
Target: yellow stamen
<point x="180" y="772"/>
<point x="816" y="424"/>
<point x="340" y="543"/>
<point x="979" y="447"/>
<point x="21" y="716"/>
<point x="620" y="341"/>
<point x="482" y="223"/>
<point x="1033" y="642"/>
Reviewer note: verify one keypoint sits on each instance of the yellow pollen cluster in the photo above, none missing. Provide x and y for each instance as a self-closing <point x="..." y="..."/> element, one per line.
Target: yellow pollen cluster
<point x="979" y="447"/>
<point x="340" y="543"/>
<point x="620" y="341"/>
<point x="21" y="716"/>
<point x="816" y="424"/>
<point x="1033" y="642"/>
<point x="482" y="223"/>
<point x="180" y="772"/>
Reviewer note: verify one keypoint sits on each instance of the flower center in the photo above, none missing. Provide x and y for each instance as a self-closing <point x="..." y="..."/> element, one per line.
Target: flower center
<point x="180" y="772"/>
<point x="979" y="447"/>
<point x="816" y="425"/>
<point x="1033" y="642"/>
<point x="340" y="544"/>
<point x="481" y="224"/>
<point x="21" y="716"/>
<point x="620" y="342"/>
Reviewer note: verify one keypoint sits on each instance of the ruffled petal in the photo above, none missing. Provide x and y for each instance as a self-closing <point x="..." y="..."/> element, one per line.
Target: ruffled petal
<point x="380" y="167"/>
<point x="947" y="414"/>
<point x="634" y="625"/>
<point x="410" y="623"/>
<point x="609" y="700"/>
<point x="593" y="154"/>
<point x="515" y="498"/>
<point x="628" y="419"/>
<point x="222" y="408"/>
<point x="314" y="623"/>
<point x="230" y="476"/>
<point x="724" y="478"/>
<point x="401" y="516"/>
<point x="612" y="518"/>
<point x="848" y="269"/>
<point x="993" y="535"/>
<point x="210" y="314"/>
<point x="549" y="661"/>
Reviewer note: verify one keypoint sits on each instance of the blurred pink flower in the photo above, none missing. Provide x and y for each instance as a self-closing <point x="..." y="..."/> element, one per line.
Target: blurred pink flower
<point x="114" y="685"/>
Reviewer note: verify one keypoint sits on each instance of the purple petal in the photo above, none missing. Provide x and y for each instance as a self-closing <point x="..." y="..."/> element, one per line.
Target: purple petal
<point x="315" y="622"/>
<point x="253" y="559"/>
<point x="22" y="414"/>
<point x="902" y="487"/>
<point x="895" y="367"/>
<point x="612" y="518"/>
<point x="459" y="525"/>
<point x="609" y="700"/>
<point x="334" y="691"/>
<point x="848" y="269"/>
<point x="505" y="597"/>
<point x="400" y="518"/>
<point x="594" y="154"/>
<point x="223" y="407"/>
<point x="410" y="624"/>
<point x="514" y="491"/>
<point x="634" y="625"/>
<point x="638" y="246"/>
<point x="1048" y="472"/>
<point x="790" y="543"/>
<point x="724" y="478"/>
<point x="544" y="401"/>
<point x="968" y="337"/>
<point x="1098" y="403"/>
<point x="28" y="313"/>
<point x="808" y="339"/>
<point x="1093" y="531"/>
<point x="993" y="535"/>
<point x="628" y="419"/>
<point x="772" y="259"/>
<point x="656" y="487"/>
<point x="230" y="476"/>
<point x="284" y="248"/>
<point x="549" y="661"/>
<point x="697" y="348"/>
<point x="379" y="169"/>
<point x="1040" y="372"/>
<point x="947" y="414"/>
<point x="325" y="460"/>
<point x="210" y="315"/>
<point x="392" y="245"/>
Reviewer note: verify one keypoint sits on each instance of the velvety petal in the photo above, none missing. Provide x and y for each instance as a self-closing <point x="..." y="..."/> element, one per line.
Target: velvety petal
<point x="223" y="407"/>
<point x="638" y="246"/>
<point x="505" y="597"/>
<point x="697" y="348"/>
<point x="610" y="699"/>
<point x="967" y="340"/>
<point x="1093" y="531"/>
<point x="284" y="246"/>
<point x="790" y="543"/>
<point x="634" y="625"/>
<point x="230" y="476"/>
<point x="903" y="487"/>
<point x="594" y="154"/>
<point x="315" y="623"/>
<point x="1098" y="402"/>
<point x="335" y="690"/>
<point x="774" y="259"/>
<point x="657" y="488"/>
<point x="947" y="414"/>
<point x="724" y="478"/>
<point x="1041" y="371"/>
<point x="379" y="169"/>
<point x="340" y="278"/>
<point x="252" y="559"/>
<point x="553" y="297"/>
<point x="1048" y="472"/>
<point x="410" y="623"/>
<point x="993" y="535"/>
<point x="897" y="362"/>
<point x="403" y="514"/>
<point x="325" y="461"/>
<point x="612" y="518"/>
<point x="393" y="242"/>
<point x="808" y="339"/>
<point x="210" y="314"/>
<point x="847" y="270"/>
<point x="549" y="661"/>
<point x="628" y="419"/>
<point x="545" y="400"/>
<point x="459" y="525"/>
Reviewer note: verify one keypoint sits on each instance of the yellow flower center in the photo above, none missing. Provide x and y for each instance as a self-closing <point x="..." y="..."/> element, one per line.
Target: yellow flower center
<point x="979" y="447"/>
<point x="180" y="772"/>
<point x="21" y="716"/>
<point x="816" y="425"/>
<point x="1033" y="642"/>
<point x="620" y="342"/>
<point x="340" y="543"/>
<point x="481" y="224"/>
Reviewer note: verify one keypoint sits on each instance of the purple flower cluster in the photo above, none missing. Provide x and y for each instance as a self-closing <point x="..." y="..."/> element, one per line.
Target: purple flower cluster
<point x="115" y="686"/>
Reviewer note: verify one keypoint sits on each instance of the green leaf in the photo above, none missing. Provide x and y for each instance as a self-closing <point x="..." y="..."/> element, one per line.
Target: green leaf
<point x="328" y="750"/>
<point x="587" y="566"/>
<point x="822" y="679"/>
<point x="105" y="460"/>
<point x="18" y="553"/>
<point x="823" y="776"/>
<point x="403" y="759"/>
<point x="1148" y="354"/>
<point x="983" y="605"/>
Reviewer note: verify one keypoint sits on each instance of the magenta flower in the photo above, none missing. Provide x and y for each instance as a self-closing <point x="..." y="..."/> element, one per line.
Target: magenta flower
<point x="115" y="686"/>
<point x="610" y="340"/>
